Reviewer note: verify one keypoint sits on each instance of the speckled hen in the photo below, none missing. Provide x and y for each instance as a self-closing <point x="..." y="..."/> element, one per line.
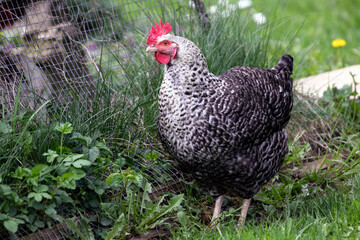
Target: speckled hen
<point x="227" y="131"/>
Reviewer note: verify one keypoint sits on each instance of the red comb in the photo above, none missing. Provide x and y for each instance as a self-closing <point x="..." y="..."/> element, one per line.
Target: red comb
<point x="157" y="32"/>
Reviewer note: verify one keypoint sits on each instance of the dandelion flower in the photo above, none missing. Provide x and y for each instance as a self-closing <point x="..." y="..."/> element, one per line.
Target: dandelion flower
<point x="259" y="18"/>
<point x="338" y="43"/>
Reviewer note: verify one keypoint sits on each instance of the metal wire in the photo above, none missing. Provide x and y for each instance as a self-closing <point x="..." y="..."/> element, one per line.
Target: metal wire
<point x="49" y="50"/>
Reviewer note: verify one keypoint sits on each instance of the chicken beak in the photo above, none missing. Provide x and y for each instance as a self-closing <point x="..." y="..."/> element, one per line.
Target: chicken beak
<point x="151" y="49"/>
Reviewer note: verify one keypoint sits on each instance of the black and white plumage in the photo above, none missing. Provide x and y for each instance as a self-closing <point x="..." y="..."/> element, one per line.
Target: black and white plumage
<point x="227" y="131"/>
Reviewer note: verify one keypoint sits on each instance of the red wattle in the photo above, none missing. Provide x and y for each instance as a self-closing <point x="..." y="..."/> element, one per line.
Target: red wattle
<point x="162" y="58"/>
<point x="174" y="52"/>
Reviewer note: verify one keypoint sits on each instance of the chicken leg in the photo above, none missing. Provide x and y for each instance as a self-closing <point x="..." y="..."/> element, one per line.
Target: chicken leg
<point x="244" y="209"/>
<point x="217" y="208"/>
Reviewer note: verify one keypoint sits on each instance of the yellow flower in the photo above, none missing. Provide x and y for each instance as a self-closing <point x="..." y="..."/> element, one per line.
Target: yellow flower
<point x="338" y="43"/>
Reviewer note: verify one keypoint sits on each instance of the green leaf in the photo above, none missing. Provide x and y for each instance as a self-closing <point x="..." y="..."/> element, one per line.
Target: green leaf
<point x="155" y="214"/>
<point x="114" y="179"/>
<point x="85" y="140"/>
<point x="11" y="225"/>
<point x="98" y="186"/>
<point x="5" y="190"/>
<point x="105" y="221"/>
<point x="174" y="202"/>
<point x="86" y="228"/>
<point x="73" y="157"/>
<point x="94" y="152"/>
<point x="118" y="227"/>
<point x="21" y="172"/>
<point x="78" y="173"/>
<point x="37" y="169"/>
<point x="50" y="211"/>
<point x="138" y="177"/>
<point x="41" y="188"/>
<point x="31" y="195"/>
<point x="27" y="138"/>
<point x="152" y="156"/>
<point x="131" y="177"/>
<point x="108" y="208"/>
<point x="68" y="179"/>
<point x="64" y="197"/>
<point x="183" y="218"/>
<point x="73" y="227"/>
<point x="23" y="216"/>
<point x="38" y="197"/>
<point x="81" y="163"/>
<point x="120" y="161"/>
<point x="102" y="146"/>
<point x="39" y="224"/>
<point x="5" y="127"/>
<point x="50" y="156"/>
<point x="145" y="196"/>
<point x="94" y="203"/>
<point x="37" y="205"/>
<point x="3" y="217"/>
<point x="63" y="149"/>
<point x="64" y="128"/>
<point x="46" y="195"/>
<point x="32" y="227"/>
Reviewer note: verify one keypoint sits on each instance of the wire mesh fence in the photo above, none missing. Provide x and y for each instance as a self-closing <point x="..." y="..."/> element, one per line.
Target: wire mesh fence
<point x="50" y="48"/>
<point x="55" y="50"/>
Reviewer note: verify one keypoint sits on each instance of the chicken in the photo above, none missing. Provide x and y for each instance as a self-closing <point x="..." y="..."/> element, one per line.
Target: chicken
<point x="227" y="131"/>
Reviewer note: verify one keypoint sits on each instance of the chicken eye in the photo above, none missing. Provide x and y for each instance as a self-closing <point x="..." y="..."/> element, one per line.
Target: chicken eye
<point x="165" y="43"/>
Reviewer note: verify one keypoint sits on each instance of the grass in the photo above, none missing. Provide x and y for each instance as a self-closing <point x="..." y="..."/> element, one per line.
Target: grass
<point x="321" y="22"/>
<point x="318" y="23"/>
<point x="321" y="215"/>
<point x="134" y="10"/>
<point x="106" y="162"/>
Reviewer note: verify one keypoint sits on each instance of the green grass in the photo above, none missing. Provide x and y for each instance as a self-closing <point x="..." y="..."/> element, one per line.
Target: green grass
<point x="321" y="22"/>
<point x="318" y="23"/>
<point x="305" y="28"/>
<point x="134" y="10"/>
<point x="330" y="214"/>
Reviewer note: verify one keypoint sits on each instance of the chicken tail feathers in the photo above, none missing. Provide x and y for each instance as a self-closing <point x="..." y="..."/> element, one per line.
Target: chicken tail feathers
<point x="285" y="64"/>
